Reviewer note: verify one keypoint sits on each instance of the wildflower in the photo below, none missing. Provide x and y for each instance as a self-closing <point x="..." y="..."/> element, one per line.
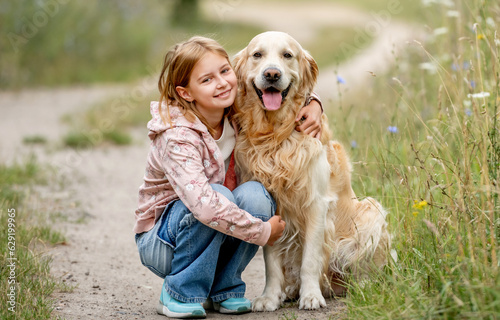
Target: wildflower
<point x="456" y="66"/>
<point x="354" y="144"/>
<point x="478" y="95"/>
<point x="453" y="13"/>
<point x="392" y="129"/>
<point x="480" y="36"/>
<point x="472" y="84"/>
<point x="419" y="205"/>
<point x="340" y="80"/>
<point x="415" y="213"/>
<point x="468" y="112"/>
<point x="490" y="21"/>
<point x="429" y="66"/>
<point x="440" y="31"/>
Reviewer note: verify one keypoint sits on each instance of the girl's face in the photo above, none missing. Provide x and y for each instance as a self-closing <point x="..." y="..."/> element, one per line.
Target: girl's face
<point x="212" y="85"/>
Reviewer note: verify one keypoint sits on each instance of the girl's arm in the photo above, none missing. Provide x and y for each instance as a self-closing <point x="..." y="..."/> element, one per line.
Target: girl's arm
<point x="186" y="168"/>
<point x="309" y="117"/>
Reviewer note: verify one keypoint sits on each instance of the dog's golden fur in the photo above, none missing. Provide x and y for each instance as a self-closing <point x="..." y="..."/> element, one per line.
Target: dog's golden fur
<point x="329" y="232"/>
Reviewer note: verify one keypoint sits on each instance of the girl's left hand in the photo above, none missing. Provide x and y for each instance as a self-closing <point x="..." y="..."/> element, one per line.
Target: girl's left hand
<point x="309" y="119"/>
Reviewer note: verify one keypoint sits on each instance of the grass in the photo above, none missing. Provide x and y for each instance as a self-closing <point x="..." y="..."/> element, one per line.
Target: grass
<point x="335" y="45"/>
<point x="425" y="141"/>
<point x="35" y="139"/>
<point x="110" y="41"/>
<point x="24" y="269"/>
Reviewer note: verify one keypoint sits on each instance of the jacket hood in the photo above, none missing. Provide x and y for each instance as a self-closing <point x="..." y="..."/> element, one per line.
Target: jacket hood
<point x="156" y="125"/>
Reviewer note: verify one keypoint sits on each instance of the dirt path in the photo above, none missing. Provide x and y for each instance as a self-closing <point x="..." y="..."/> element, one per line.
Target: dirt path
<point x="303" y="19"/>
<point x="101" y="258"/>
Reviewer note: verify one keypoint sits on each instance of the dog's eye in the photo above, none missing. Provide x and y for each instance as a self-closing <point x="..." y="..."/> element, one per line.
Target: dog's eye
<point x="287" y="55"/>
<point x="257" y="55"/>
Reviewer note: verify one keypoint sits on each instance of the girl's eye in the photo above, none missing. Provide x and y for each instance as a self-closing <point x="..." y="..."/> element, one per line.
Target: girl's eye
<point x="206" y="80"/>
<point x="257" y="55"/>
<point x="287" y="55"/>
<point x="225" y="70"/>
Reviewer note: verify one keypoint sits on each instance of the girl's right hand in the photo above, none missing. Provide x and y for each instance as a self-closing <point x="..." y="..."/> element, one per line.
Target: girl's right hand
<point x="277" y="228"/>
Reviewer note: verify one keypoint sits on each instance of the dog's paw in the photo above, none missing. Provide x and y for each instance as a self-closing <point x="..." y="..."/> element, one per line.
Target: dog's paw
<point x="266" y="303"/>
<point x="312" y="301"/>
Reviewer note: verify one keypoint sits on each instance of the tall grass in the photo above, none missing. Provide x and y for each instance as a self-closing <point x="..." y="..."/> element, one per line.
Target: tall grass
<point x="58" y="42"/>
<point x="25" y="280"/>
<point x="427" y="144"/>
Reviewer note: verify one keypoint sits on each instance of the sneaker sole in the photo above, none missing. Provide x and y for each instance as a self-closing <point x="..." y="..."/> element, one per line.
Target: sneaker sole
<point x="161" y="309"/>
<point x="240" y="310"/>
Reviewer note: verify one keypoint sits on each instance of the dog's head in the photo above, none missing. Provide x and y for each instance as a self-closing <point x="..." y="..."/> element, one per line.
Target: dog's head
<point x="274" y="67"/>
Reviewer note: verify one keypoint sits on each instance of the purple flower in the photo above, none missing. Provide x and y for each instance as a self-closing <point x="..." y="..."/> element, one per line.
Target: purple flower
<point x="464" y="66"/>
<point x="354" y="144"/>
<point x="468" y="112"/>
<point x="340" y="80"/>
<point x="392" y="129"/>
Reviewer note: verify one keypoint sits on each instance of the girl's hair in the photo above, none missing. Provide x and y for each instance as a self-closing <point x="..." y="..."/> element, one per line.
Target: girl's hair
<point x="177" y="68"/>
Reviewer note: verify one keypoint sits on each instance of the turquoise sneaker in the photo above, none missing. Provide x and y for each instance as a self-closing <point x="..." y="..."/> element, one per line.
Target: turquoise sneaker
<point x="172" y="308"/>
<point x="234" y="306"/>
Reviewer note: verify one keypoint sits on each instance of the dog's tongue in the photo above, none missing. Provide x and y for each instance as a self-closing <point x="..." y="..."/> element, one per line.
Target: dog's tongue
<point x="272" y="99"/>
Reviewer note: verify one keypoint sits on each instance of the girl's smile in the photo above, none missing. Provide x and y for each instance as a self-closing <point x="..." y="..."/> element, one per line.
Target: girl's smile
<point x="212" y="87"/>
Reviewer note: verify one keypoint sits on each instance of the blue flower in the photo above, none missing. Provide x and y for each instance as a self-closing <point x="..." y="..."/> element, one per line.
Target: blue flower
<point x="354" y="144"/>
<point x="392" y="129"/>
<point x="472" y="84"/>
<point x="468" y="112"/>
<point x="464" y="66"/>
<point x="340" y="80"/>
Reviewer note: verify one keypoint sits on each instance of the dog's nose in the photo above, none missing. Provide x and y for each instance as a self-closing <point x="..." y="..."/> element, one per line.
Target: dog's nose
<point x="272" y="74"/>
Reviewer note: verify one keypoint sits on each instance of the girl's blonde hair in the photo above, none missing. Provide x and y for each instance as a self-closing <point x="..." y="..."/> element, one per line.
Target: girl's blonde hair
<point x="177" y="68"/>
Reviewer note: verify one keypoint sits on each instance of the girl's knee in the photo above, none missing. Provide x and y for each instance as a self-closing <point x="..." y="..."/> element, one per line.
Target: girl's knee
<point x="254" y="198"/>
<point x="224" y="191"/>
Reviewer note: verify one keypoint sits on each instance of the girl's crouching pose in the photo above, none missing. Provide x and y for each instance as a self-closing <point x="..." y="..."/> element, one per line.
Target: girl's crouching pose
<point x="194" y="227"/>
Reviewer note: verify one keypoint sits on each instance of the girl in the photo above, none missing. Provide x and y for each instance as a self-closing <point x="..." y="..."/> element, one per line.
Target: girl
<point x="192" y="230"/>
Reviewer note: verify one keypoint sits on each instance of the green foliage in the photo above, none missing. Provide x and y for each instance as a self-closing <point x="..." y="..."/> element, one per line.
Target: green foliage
<point x="25" y="272"/>
<point x="335" y="45"/>
<point x="35" y="139"/>
<point x="426" y="144"/>
<point x="59" y="42"/>
<point x="185" y="12"/>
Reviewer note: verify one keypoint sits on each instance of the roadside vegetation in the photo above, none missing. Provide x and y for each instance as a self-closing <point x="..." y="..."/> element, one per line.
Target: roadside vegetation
<point x="425" y="139"/>
<point x="25" y="233"/>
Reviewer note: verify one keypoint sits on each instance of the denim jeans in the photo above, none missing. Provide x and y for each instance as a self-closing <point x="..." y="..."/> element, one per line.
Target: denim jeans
<point x="197" y="261"/>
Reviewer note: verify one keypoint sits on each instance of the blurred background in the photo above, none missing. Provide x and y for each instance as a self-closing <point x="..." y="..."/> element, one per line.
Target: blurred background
<point x="410" y="87"/>
<point x="61" y="42"/>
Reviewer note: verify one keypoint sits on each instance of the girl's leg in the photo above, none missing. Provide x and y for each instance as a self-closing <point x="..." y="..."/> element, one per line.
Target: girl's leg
<point x="156" y="254"/>
<point x="236" y="254"/>
<point x="195" y="260"/>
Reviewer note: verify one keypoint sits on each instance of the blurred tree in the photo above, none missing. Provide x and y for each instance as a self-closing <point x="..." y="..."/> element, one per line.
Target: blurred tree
<point x="185" y="13"/>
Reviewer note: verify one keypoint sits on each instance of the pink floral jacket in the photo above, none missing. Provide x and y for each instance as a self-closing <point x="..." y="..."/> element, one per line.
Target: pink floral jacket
<point x="182" y="163"/>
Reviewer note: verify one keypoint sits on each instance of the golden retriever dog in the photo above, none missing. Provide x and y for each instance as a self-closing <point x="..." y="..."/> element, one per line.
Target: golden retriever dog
<point x="329" y="233"/>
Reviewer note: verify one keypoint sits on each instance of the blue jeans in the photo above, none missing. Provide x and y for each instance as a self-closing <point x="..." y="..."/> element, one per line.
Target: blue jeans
<point x="197" y="261"/>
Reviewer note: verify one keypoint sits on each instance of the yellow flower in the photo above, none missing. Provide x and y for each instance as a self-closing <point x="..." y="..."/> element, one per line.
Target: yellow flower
<point x="480" y="36"/>
<point x="419" y="205"/>
<point x="415" y="213"/>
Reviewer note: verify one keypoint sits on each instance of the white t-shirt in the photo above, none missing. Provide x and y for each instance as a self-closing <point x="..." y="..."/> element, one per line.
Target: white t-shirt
<point x="226" y="142"/>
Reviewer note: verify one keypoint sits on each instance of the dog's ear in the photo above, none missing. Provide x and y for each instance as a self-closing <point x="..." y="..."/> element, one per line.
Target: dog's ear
<point x="239" y="62"/>
<point x="309" y="71"/>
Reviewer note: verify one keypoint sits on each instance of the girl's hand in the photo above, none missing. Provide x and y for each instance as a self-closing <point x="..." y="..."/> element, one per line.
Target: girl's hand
<point x="309" y="119"/>
<point x="277" y="228"/>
